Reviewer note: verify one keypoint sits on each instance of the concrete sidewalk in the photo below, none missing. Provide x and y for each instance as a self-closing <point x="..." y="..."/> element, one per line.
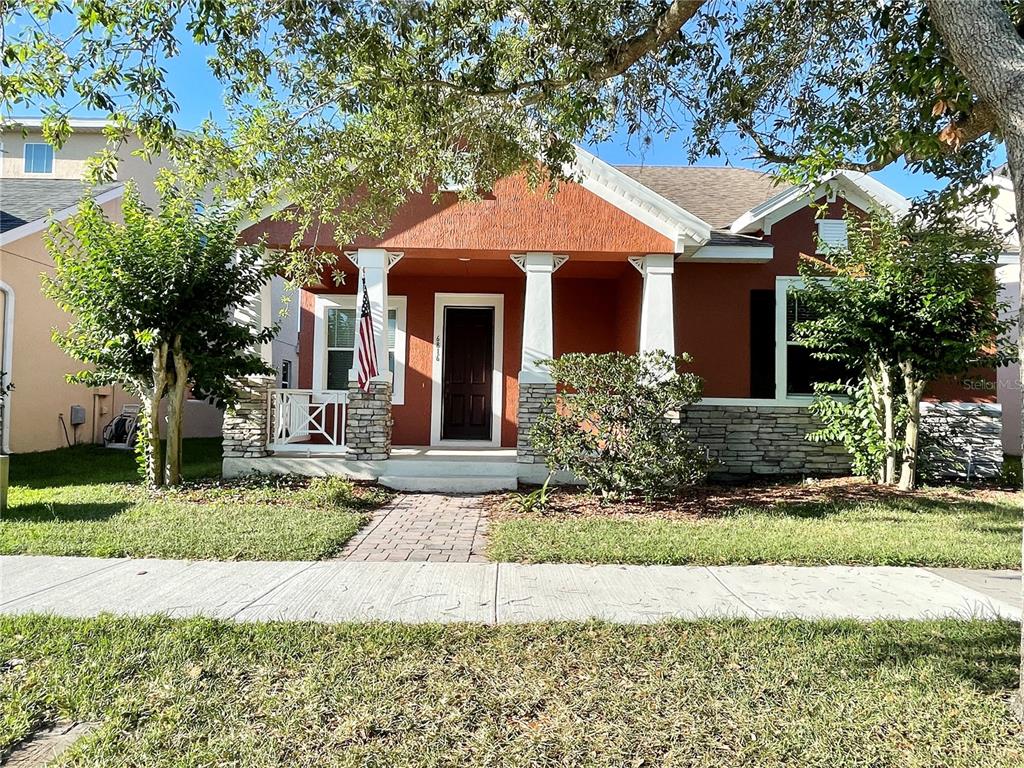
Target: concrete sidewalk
<point x="334" y="591"/>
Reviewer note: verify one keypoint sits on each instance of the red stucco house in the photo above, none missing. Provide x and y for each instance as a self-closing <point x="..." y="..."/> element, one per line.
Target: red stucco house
<point x="467" y="296"/>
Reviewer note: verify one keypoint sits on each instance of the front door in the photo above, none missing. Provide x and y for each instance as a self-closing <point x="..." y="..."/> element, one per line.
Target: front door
<point x="467" y="373"/>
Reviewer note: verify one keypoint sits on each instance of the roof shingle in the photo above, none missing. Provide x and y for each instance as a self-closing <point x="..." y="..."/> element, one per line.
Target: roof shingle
<point x="717" y="195"/>
<point x="23" y="201"/>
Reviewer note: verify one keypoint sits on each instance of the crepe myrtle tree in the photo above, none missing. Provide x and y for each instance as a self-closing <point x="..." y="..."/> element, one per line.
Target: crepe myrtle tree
<point x="152" y="300"/>
<point x="905" y="304"/>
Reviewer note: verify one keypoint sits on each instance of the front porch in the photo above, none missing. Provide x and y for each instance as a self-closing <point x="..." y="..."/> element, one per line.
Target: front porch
<point x="460" y="343"/>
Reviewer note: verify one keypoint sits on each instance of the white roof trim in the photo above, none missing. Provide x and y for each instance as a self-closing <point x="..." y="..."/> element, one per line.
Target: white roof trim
<point x="32" y="227"/>
<point x="732" y="254"/>
<point x="859" y="188"/>
<point x="77" y="123"/>
<point x="643" y="204"/>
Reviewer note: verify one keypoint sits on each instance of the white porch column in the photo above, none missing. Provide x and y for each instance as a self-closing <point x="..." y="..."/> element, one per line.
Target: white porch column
<point x="657" y="315"/>
<point x="373" y="266"/>
<point x="538" y="318"/>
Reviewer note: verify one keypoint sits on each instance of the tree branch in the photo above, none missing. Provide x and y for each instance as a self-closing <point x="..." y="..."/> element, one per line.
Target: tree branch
<point x="960" y="131"/>
<point x="616" y="60"/>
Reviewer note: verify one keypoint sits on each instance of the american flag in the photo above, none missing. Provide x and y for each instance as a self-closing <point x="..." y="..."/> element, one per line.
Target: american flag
<point x="366" y="347"/>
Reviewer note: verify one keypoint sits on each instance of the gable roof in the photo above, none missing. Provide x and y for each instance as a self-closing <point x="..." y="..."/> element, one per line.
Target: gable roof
<point x="25" y="204"/>
<point x="718" y="195"/>
<point x="680" y="225"/>
<point x="859" y="188"/>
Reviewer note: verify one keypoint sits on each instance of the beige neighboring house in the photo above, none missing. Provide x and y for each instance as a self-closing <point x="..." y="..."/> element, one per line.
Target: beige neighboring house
<point x="36" y="182"/>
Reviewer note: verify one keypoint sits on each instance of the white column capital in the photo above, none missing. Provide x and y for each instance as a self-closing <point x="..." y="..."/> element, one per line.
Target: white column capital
<point x="539" y="261"/>
<point x="374" y="258"/>
<point x="654" y="263"/>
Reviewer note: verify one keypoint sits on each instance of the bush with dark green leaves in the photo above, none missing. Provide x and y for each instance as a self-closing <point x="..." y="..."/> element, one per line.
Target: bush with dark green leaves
<point x="615" y="424"/>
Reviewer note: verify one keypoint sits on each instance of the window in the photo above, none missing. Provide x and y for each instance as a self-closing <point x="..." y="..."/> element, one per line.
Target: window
<point x="762" y="343"/>
<point x="38" y="158"/>
<point x="336" y="334"/>
<point x="831" y="235"/>
<point x="286" y="374"/>
<point x="804" y="370"/>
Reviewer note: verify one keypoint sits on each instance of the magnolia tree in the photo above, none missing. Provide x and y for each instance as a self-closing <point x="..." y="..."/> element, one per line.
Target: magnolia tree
<point x="904" y="305"/>
<point x="152" y="300"/>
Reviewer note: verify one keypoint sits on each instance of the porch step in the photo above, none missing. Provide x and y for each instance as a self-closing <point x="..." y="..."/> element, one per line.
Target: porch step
<point x="449" y="483"/>
<point x="451" y="467"/>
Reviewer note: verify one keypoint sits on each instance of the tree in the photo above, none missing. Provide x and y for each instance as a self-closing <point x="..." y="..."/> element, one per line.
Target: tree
<point x="152" y="302"/>
<point x="906" y="304"/>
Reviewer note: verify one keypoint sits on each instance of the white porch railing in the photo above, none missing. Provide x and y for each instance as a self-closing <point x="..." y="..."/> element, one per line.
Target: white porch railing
<point x="307" y="420"/>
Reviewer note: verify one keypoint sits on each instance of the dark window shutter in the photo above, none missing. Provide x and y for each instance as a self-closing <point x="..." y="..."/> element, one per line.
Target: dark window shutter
<point x="762" y="343"/>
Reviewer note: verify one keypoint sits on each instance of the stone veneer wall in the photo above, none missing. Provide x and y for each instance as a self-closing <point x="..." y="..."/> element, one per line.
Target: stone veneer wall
<point x="962" y="440"/>
<point x="534" y="399"/>
<point x="245" y="424"/>
<point x="763" y="440"/>
<point x="369" y="422"/>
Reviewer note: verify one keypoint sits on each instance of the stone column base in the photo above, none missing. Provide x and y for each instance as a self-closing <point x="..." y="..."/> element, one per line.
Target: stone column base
<point x="369" y="423"/>
<point x="534" y="399"/>
<point x="245" y="424"/>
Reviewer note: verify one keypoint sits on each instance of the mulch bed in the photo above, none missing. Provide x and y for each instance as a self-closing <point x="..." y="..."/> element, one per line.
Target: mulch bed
<point x="710" y="501"/>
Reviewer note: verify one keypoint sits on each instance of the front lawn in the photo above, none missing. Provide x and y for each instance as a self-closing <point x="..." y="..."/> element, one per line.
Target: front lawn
<point x="710" y="693"/>
<point x="830" y="522"/>
<point x="87" y="501"/>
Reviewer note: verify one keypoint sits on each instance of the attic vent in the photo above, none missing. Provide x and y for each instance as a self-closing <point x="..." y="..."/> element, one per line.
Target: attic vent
<point x="831" y="235"/>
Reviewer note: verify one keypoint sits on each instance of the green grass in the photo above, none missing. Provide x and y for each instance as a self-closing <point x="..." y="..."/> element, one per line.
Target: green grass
<point x="86" y="501"/>
<point x="719" y="694"/>
<point x="918" y="530"/>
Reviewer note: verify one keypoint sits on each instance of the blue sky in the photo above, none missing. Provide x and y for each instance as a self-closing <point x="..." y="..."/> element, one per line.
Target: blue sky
<point x="199" y="97"/>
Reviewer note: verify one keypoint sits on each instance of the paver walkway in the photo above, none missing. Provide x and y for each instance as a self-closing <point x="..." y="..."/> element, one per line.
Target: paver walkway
<point x="338" y="590"/>
<point x="424" y="527"/>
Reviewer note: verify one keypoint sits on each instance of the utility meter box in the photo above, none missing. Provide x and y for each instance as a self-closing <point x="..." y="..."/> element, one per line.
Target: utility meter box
<point x="77" y="415"/>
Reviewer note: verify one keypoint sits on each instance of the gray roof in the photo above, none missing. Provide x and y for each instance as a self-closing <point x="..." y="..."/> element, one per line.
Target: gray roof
<point x="717" y="195"/>
<point x="26" y="200"/>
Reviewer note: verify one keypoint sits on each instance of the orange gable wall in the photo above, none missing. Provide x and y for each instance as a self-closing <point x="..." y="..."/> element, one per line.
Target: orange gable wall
<point x="512" y="219"/>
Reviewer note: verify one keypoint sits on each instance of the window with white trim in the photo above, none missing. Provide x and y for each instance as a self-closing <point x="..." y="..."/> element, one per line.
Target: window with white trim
<point x="802" y="369"/>
<point x="339" y="320"/>
<point x="38" y="158"/>
<point x="286" y="374"/>
<point x="832" y="235"/>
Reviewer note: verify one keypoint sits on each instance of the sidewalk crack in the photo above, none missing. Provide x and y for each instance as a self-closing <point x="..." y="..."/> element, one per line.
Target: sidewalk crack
<point x="728" y="589"/>
<point x="274" y="586"/>
<point x="124" y="561"/>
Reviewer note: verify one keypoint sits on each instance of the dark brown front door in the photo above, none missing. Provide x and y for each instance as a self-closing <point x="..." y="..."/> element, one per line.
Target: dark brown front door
<point x="467" y="376"/>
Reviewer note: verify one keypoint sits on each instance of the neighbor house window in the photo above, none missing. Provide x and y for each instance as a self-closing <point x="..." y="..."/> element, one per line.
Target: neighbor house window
<point x="38" y="158"/>
<point x="286" y="374"/>
<point x="338" y="320"/>
<point x="802" y="369"/>
<point x="831" y="235"/>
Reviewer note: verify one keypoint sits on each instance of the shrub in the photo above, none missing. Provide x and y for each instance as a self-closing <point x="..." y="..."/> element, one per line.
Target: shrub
<point x="615" y="424"/>
<point x="849" y="414"/>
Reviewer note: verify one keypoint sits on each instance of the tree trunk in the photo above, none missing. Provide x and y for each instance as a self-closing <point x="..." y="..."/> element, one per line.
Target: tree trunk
<point x="915" y="390"/>
<point x="986" y="47"/>
<point x="889" y="425"/>
<point x="151" y="426"/>
<point x="176" y="414"/>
